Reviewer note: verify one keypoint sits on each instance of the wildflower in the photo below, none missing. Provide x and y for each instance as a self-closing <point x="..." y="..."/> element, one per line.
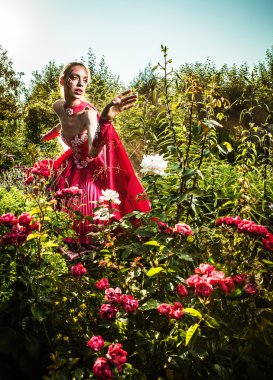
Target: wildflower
<point x="103" y="284"/>
<point x="109" y="195"/>
<point x="153" y="165"/>
<point x="116" y="355"/>
<point x="95" y="343"/>
<point x="102" y="370"/>
<point x="78" y="270"/>
<point x="113" y="295"/>
<point x="181" y="291"/>
<point x="128" y="303"/>
<point x="183" y="229"/>
<point x="108" y="311"/>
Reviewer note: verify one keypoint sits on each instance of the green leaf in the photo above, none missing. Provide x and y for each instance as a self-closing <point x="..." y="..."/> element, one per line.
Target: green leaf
<point x="211" y="322"/>
<point x="150" y="305"/>
<point x="267" y="262"/>
<point x="153" y="271"/>
<point x="37" y="312"/>
<point x="193" y="312"/>
<point x="190" y="332"/>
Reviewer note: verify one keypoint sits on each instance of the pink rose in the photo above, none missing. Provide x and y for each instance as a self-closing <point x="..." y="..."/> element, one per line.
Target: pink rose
<point x="193" y="280"/>
<point x="128" y="303"/>
<point x="102" y="370"/>
<point x="181" y="291"/>
<point x="204" y="269"/>
<point x="164" y="308"/>
<point x="268" y="242"/>
<point x="176" y="311"/>
<point x="113" y="295"/>
<point x="9" y="219"/>
<point x="108" y="311"/>
<point x="78" y="270"/>
<point x="102" y="284"/>
<point x="116" y="355"/>
<point x="203" y="289"/>
<point x="95" y="343"/>
<point x="183" y="229"/>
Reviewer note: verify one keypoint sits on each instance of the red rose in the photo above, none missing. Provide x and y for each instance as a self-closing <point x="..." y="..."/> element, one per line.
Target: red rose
<point x="251" y="288"/>
<point x="183" y="229"/>
<point x="113" y="295"/>
<point x="164" y="308"/>
<point x="268" y="242"/>
<point x="203" y="289"/>
<point x="108" y="311"/>
<point x="226" y="285"/>
<point x="102" y="370"/>
<point x="181" y="291"/>
<point x="29" y="180"/>
<point x="78" y="270"/>
<point x="95" y="343"/>
<point x="24" y="219"/>
<point x="128" y="303"/>
<point x="239" y="278"/>
<point x="116" y="355"/>
<point x="102" y="284"/>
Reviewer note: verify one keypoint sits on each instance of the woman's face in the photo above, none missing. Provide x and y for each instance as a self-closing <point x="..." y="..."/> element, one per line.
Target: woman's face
<point x="76" y="82"/>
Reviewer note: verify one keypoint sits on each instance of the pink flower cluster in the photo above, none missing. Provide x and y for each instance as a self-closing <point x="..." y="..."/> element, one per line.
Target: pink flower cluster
<point x="244" y="225"/>
<point x="20" y="228"/>
<point x="180" y="228"/>
<point x="68" y="192"/>
<point x="42" y="168"/>
<point x="115" y="356"/>
<point x="78" y="270"/>
<point x="206" y="277"/>
<point x="174" y="311"/>
<point x="115" y="297"/>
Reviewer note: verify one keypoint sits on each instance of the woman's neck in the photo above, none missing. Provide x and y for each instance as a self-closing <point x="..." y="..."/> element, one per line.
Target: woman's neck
<point x="72" y="102"/>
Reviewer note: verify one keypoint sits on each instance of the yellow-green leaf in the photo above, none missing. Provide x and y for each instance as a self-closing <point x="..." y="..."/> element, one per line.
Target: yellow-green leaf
<point x="152" y="242"/>
<point x="153" y="271"/>
<point x="190" y="333"/>
<point x="211" y="322"/>
<point x="193" y="312"/>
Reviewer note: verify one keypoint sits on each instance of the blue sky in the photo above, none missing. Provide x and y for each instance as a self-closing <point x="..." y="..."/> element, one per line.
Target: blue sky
<point x="129" y="33"/>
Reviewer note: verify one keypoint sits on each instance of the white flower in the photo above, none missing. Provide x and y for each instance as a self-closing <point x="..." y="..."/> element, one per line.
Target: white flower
<point x="102" y="214"/>
<point x="154" y="165"/>
<point x="110" y="196"/>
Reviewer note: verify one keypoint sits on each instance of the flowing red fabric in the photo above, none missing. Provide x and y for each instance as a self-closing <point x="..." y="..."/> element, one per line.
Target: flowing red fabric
<point x="111" y="169"/>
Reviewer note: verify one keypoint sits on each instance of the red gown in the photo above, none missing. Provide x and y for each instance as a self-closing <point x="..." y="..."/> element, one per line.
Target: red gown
<point x="111" y="169"/>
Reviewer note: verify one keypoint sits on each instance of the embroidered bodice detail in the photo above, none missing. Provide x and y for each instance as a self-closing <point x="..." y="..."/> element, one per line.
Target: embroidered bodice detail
<point x="79" y="146"/>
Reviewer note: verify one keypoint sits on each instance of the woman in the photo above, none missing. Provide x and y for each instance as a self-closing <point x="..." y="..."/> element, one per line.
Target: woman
<point x="96" y="159"/>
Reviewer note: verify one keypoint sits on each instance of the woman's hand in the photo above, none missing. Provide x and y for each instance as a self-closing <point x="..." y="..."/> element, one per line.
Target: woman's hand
<point x="120" y="103"/>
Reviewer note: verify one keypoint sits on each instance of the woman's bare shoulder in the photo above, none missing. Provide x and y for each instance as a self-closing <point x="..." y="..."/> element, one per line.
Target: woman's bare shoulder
<point x="57" y="105"/>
